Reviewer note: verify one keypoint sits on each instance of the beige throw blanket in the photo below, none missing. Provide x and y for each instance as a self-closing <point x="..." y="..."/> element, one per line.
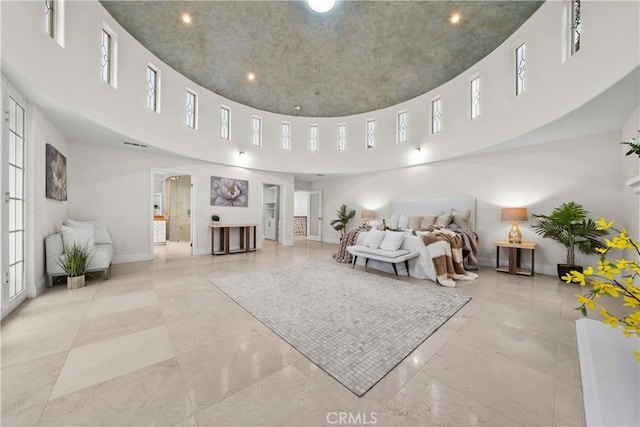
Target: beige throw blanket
<point x="448" y="265"/>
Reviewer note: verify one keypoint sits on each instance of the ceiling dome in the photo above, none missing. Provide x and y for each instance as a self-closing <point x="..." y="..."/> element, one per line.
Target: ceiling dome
<point x="360" y="56"/>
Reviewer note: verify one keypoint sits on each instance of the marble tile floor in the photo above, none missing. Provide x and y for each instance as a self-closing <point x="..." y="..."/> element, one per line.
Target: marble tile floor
<point x="158" y="345"/>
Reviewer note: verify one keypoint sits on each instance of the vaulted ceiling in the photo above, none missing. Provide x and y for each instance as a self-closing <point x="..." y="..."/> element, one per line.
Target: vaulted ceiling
<point x="359" y="57"/>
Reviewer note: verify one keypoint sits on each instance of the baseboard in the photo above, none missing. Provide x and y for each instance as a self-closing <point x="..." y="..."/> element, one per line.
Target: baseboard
<point x="126" y="258"/>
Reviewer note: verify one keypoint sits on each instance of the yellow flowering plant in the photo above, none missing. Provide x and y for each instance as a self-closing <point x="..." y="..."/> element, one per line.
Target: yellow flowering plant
<point x="616" y="278"/>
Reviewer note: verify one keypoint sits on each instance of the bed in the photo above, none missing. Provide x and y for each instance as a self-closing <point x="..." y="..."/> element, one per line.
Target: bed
<point x="431" y="226"/>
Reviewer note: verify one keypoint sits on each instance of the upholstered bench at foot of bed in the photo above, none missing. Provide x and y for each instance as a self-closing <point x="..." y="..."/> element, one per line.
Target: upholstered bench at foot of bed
<point x="392" y="257"/>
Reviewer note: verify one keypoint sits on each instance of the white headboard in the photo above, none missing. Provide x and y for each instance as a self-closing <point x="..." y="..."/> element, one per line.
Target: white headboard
<point x="434" y="205"/>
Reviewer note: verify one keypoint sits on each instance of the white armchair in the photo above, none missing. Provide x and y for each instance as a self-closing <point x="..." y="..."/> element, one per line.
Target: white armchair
<point x="87" y="233"/>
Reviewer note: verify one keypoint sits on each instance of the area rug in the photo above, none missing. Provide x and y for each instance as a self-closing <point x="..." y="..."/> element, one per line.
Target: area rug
<point x="354" y="325"/>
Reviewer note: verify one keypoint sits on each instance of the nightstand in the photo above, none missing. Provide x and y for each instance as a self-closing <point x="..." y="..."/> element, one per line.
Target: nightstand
<point x="515" y="250"/>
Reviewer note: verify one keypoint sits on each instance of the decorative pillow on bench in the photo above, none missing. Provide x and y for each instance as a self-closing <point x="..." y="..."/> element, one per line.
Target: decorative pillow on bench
<point x="374" y="238"/>
<point x="392" y="240"/>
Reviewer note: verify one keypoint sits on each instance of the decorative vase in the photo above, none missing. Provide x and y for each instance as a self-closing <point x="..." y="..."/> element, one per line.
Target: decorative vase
<point x="75" y="282"/>
<point x="564" y="269"/>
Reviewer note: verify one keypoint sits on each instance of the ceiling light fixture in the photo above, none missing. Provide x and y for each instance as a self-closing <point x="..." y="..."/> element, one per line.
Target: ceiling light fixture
<point x="297" y="107"/>
<point x="186" y="18"/>
<point x="251" y="77"/>
<point x="455" y="18"/>
<point x="321" y="6"/>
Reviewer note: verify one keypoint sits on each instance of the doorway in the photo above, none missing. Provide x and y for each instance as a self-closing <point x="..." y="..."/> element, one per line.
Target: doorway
<point x="307" y="219"/>
<point x="172" y="210"/>
<point x="271" y="211"/>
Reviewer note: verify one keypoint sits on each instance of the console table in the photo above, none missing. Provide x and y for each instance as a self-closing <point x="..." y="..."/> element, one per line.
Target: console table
<point x="514" y="257"/>
<point x="245" y="230"/>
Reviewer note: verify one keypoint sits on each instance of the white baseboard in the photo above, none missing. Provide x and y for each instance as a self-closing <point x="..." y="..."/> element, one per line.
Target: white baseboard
<point x="123" y="259"/>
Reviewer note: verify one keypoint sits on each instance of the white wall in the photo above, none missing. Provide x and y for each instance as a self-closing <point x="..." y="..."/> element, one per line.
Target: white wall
<point x="115" y="184"/>
<point x="586" y="170"/>
<point x="556" y="85"/>
<point x="44" y="216"/>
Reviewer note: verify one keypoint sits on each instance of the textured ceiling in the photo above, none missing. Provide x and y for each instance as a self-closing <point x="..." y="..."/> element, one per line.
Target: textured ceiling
<point x="361" y="56"/>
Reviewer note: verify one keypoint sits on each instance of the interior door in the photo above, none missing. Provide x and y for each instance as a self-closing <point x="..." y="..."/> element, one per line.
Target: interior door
<point x="271" y="212"/>
<point x="314" y="228"/>
<point x="13" y="208"/>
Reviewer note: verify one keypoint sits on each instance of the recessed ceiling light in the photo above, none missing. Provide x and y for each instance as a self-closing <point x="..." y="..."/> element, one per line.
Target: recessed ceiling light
<point x="251" y="76"/>
<point x="297" y="107"/>
<point x="321" y="6"/>
<point x="455" y="18"/>
<point x="186" y="18"/>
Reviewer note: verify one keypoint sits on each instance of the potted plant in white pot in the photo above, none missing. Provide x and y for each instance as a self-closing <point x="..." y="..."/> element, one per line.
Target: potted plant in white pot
<point x="74" y="261"/>
<point x="568" y="224"/>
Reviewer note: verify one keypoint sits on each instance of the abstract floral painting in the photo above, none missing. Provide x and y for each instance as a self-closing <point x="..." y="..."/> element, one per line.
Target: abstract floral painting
<point x="56" y="170"/>
<point x="229" y="192"/>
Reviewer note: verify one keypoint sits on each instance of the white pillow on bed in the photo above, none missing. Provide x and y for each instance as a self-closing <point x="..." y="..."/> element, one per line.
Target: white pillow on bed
<point x="393" y="221"/>
<point x="374" y="238"/>
<point x="403" y="222"/>
<point x="392" y="240"/>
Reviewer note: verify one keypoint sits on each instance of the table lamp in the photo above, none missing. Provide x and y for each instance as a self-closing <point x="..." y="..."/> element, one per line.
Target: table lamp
<point x="514" y="215"/>
<point x="367" y="215"/>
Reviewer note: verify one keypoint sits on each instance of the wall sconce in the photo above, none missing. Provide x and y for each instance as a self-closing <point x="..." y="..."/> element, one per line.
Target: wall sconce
<point x="418" y="149"/>
<point x="367" y="215"/>
<point x="241" y="153"/>
<point x="514" y="215"/>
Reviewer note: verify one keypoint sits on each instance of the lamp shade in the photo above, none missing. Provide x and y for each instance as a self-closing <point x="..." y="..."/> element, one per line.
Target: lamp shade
<point x="367" y="214"/>
<point x="514" y="214"/>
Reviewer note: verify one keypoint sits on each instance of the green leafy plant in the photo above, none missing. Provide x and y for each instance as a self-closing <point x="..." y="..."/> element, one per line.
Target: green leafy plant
<point x="215" y="218"/>
<point x="568" y="225"/>
<point x="634" y="143"/>
<point x="74" y="260"/>
<point x="344" y="217"/>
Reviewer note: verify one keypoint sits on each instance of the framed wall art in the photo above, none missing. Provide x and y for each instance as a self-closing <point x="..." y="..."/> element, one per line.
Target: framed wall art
<point x="229" y="192"/>
<point x="56" y="170"/>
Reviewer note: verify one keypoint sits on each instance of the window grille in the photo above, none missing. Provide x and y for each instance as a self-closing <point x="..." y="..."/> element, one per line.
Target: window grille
<point x="225" y="122"/>
<point x="436" y="115"/>
<point x="106" y="52"/>
<point x="256" y="131"/>
<point x="314" y="136"/>
<point x="191" y="110"/>
<point x="371" y="133"/>
<point x="576" y="29"/>
<point x="49" y="17"/>
<point x="286" y="136"/>
<point x="520" y="68"/>
<point x="152" y="89"/>
<point x="402" y="136"/>
<point x="475" y="97"/>
<point x="342" y="137"/>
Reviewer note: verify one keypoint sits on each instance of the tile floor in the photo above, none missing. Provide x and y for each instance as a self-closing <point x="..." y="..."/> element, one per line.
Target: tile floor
<point x="157" y="344"/>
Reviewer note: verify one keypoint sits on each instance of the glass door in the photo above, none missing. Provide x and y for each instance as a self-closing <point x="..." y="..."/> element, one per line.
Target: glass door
<point x="314" y="230"/>
<point x="13" y="208"/>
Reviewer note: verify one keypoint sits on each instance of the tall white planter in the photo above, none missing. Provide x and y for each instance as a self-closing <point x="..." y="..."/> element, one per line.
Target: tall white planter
<point x="610" y="374"/>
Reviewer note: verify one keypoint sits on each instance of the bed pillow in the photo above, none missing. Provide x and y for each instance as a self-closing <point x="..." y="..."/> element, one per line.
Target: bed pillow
<point x="443" y="219"/>
<point x="392" y="240"/>
<point x="414" y="222"/>
<point x="427" y="221"/>
<point x="461" y="218"/>
<point x="374" y="238"/>
<point x="393" y="221"/>
<point x="403" y="222"/>
<point x="82" y="237"/>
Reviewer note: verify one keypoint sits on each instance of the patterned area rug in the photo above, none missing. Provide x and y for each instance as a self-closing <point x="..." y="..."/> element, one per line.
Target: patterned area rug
<point x="355" y="325"/>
